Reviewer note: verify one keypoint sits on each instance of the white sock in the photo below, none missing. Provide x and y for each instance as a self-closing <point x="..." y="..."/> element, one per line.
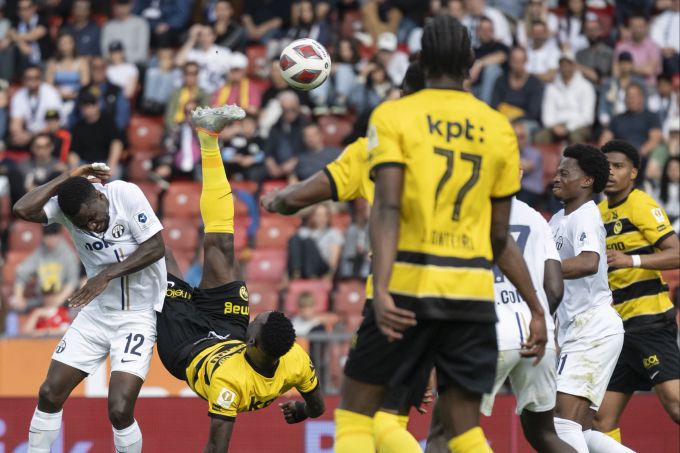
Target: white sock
<point x="128" y="440"/>
<point x="572" y="433"/>
<point x="601" y="443"/>
<point x="43" y="431"/>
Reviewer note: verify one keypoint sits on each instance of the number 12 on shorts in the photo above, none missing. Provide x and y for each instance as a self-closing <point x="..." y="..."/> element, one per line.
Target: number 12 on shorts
<point x="136" y="342"/>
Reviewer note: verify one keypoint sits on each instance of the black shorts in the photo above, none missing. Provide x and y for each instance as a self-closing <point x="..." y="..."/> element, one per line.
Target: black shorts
<point x="648" y="358"/>
<point x="191" y="316"/>
<point x="463" y="352"/>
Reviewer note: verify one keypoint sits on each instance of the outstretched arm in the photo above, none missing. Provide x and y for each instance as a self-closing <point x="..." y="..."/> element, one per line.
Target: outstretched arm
<point x="298" y="196"/>
<point x="220" y="435"/>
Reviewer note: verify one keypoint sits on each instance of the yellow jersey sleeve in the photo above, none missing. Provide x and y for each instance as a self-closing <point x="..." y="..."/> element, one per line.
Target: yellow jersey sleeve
<point x="651" y="220"/>
<point x="306" y="379"/>
<point x="507" y="181"/>
<point x="224" y="398"/>
<point x="384" y="142"/>
<point x="348" y="174"/>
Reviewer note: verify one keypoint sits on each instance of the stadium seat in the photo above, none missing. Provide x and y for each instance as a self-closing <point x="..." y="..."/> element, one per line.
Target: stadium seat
<point x="274" y="184"/>
<point x="352" y="322"/>
<point x="180" y="235"/>
<point x="318" y="287"/>
<point x="266" y="266"/>
<point x="139" y="166"/>
<point x="246" y="186"/>
<point x="240" y="208"/>
<point x="24" y="236"/>
<point x="349" y="298"/>
<point x="274" y="232"/>
<point x="12" y="261"/>
<point x="183" y="200"/>
<point x="144" y="134"/>
<point x="262" y="297"/>
<point x="151" y="192"/>
<point x="334" y="129"/>
<point x="241" y="233"/>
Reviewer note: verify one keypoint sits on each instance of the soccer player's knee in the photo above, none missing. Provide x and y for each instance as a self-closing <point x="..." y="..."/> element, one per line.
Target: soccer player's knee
<point x="672" y="406"/>
<point x="49" y="397"/>
<point x="121" y="412"/>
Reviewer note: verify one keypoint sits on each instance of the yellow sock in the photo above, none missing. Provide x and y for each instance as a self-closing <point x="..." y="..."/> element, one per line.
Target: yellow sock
<point x="615" y="434"/>
<point x="217" y="203"/>
<point x="391" y="435"/>
<point x="471" y="441"/>
<point x="353" y="432"/>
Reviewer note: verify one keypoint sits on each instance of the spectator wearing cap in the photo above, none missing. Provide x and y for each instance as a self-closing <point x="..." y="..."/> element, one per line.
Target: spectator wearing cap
<point x="160" y="81"/>
<point x="95" y="136"/>
<point x="85" y="31"/>
<point x="316" y="155"/>
<point x="568" y="110"/>
<point x="285" y="143"/>
<point x="229" y="33"/>
<point x="594" y="61"/>
<point x="613" y="90"/>
<point x="29" y="105"/>
<point x="67" y="71"/>
<point x="490" y="56"/>
<point x="475" y="10"/>
<point x="132" y="31"/>
<point x="42" y="166"/>
<point x="637" y="126"/>
<point x="190" y="90"/>
<point x="665" y="32"/>
<point x="239" y="89"/>
<point x="29" y="34"/>
<point x="60" y="136"/>
<point x="645" y="52"/>
<point x="121" y="73"/>
<point x="213" y="61"/>
<point x="542" y="53"/>
<point x="393" y="60"/>
<point x="167" y="18"/>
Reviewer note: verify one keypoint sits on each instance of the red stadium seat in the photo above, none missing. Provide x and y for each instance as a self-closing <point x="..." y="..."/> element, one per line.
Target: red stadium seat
<point x="151" y="192"/>
<point x="241" y="232"/>
<point x="246" y="186"/>
<point x="334" y="129"/>
<point x="12" y="261"/>
<point x="183" y="200"/>
<point x="352" y="323"/>
<point x="262" y="297"/>
<point x="139" y="166"/>
<point x="275" y="184"/>
<point x="180" y="235"/>
<point x="144" y="133"/>
<point x="24" y="236"/>
<point x="349" y="298"/>
<point x="274" y="232"/>
<point x="266" y="266"/>
<point x="318" y="287"/>
<point x="240" y="207"/>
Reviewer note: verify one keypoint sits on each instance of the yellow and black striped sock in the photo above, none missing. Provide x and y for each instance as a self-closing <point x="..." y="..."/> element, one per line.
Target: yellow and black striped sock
<point x="217" y="203"/>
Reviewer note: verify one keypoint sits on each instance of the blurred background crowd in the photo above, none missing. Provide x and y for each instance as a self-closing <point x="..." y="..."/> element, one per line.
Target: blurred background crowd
<point x="114" y="80"/>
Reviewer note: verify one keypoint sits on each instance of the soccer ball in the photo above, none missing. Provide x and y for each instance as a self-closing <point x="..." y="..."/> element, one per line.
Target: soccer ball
<point x="305" y="64"/>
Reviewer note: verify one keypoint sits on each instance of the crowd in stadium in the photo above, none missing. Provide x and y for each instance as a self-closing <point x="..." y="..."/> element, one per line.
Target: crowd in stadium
<point x="113" y="81"/>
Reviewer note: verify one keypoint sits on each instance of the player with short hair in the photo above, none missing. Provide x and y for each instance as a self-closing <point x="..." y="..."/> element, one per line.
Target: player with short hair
<point x="640" y="243"/>
<point x="444" y="170"/>
<point x="118" y="238"/>
<point x="203" y="333"/>
<point x="590" y="332"/>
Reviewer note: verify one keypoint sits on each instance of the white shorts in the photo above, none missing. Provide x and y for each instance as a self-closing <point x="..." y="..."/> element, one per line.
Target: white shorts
<point x="534" y="386"/>
<point x="590" y="348"/>
<point x="128" y="336"/>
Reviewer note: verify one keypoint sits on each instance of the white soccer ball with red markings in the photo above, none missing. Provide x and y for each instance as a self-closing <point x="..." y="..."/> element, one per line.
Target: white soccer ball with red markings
<point x="305" y="64"/>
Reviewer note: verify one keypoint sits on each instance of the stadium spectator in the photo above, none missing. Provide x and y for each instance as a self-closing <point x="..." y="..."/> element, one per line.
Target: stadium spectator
<point x="314" y="250"/>
<point x="29" y="34"/>
<point x="668" y="194"/>
<point x="121" y="73"/>
<point x="132" y="31"/>
<point x="490" y="56"/>
<point x="378" y="17"/>
<point x="335" y="92"/>
<point x="571" y="26"/>
<point x="239" y="89"/>
<point x="243" y="153"/>
<point x="475" y="10"/>
<point x="285" y="138"/>
<point x="60" y="136"/>
<point x="95" y="136"/>
<point x="613" y="91"/>
<point x="213" y="60"/>
<point x="372" y="86"/>
<point x="160" y="80"/>
<point x="4" y="114"/>
<point x="67" y="72"/>
<point x="595" y="60"/>
<point x="536" y="11"/>
<point x="391" y="58"/>
<point x="167" y="19"/>
<point x="531" y="163"/>
<point x="85" y="30"/>
<point x="271" y="108"/>
<point x="264" y="19"/>
<point x="29" y="105"/>
<point x="646" y="54"/>
<point x="6" y="49"/>
<point x="42" y="166"/>
<point x="665" y="101"/>
<point x="542" y="53"/>
<point x="316" y="155"/>
<point x="307" y="25"/>
<point x="665" y="32"/>
<point x="175" y="110"/>
<point x="229" y="33"/>
<point x="183" y="151"/>
<point x="54" y="269"/>
<point x="111" y="98"/>
<point x="637" y="126"/>
<point x="568" y="110"/>
<point x="355" y="260"/>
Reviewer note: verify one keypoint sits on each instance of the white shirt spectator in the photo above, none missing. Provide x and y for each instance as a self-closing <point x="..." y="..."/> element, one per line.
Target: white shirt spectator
<point x="133" y="33"/>
<point x="122" y="75"/>
<point x="544" y="58"/>
<point x="572" y="36"/>
<point x="665" y="30"/>
<point x="213" y="65"/>
<point x="571" y="104"/>
<point x="32" y="109"/>
<point x="501" y="27"/>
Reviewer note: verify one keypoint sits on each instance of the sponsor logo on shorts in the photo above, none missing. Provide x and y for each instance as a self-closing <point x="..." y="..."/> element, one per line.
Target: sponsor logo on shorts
<point x="231" y="308"/>
<point x="225" y="398"/>
<point x="243" y="292"/>
<point x="652" y="360"/>
<point x="118" y="231"/>
<point x="61" y="346"/>
<point x="127" y="361"/>
<point x="177" y="293"/>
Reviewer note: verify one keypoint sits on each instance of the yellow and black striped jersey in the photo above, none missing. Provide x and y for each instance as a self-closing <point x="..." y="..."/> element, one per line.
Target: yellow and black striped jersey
<point x="348" y="174"/>
<point x="222" y="375"/>
<point x="636" y="226"/>
<point x="458" y="155"/>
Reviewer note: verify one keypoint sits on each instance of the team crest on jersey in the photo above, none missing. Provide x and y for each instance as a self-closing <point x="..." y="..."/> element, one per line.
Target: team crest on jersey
<point x="226" y="398"/>
<point x="618" y="226"/>
<point x="243" y="292"/>
<point x="559" y="242"/>
<point x="60" y="347"/>
<point x="118" y="231"/>
<point x="658" y="215"/>
<point x="142" y="220"/>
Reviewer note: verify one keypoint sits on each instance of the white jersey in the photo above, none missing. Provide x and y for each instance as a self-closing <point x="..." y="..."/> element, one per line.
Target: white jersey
<point x="131" y="222"/>
<point x="534" y="238"/>
<point x="581" y="231"/>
